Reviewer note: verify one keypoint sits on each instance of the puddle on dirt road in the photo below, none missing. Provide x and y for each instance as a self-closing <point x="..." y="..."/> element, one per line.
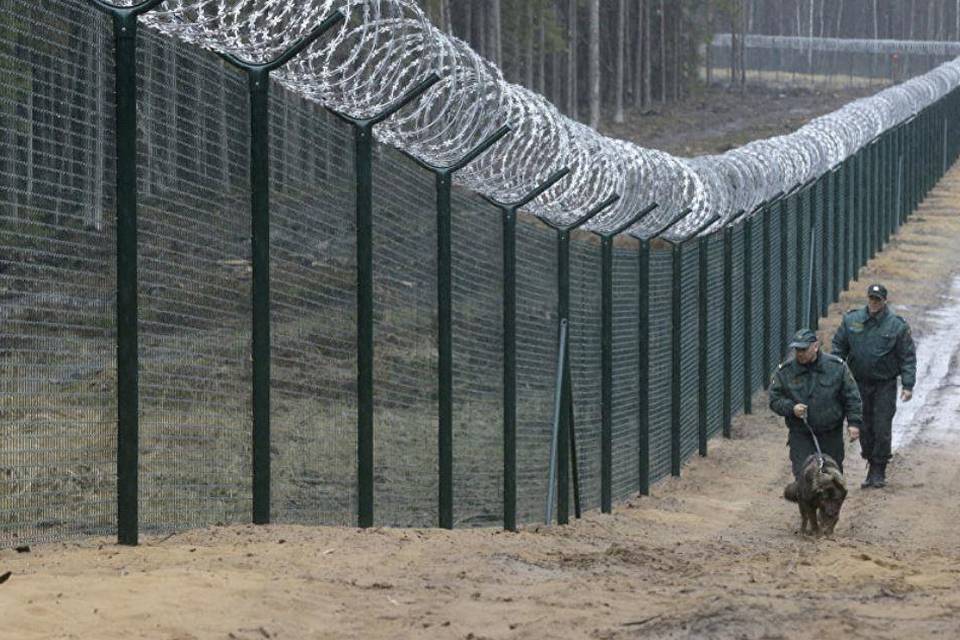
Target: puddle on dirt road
<point x="935" y="406"/>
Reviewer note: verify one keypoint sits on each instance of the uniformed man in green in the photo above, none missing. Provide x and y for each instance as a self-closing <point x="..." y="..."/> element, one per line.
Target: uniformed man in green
<point x="817" y="387"/>
<point x="878" y="347"/>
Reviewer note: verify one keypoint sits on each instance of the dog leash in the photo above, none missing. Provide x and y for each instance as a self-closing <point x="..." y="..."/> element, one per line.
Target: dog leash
<point x="816" y="443"/>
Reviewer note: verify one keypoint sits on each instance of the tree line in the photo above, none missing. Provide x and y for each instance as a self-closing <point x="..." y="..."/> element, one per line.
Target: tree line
<point x="592" y="59"/>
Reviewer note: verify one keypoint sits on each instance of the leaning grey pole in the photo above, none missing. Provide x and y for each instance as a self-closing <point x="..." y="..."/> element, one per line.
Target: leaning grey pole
<point x="363" y="168"/>
<point x="567" y="453"/>
<point x="128" y="392"/>
<point x="555" y="432"/>
<point x="443" y="178"/>
<point x="258" y="78"/>
<point x="509" y="211"/>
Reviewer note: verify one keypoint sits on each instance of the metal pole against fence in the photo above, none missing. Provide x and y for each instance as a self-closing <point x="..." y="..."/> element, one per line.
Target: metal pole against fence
<point x="508" y="212"/>
<point x="567" y="459"/>
<point x="727" y="400"/>
<point x="128" y="392"/>
<point x="363" y="166"/>
<point x="258" y="82"/>
<point x="443" y="179"/>
<point x="810" y="313"/>
<point x="555" y="432"/>
<point x="606" y="357"/>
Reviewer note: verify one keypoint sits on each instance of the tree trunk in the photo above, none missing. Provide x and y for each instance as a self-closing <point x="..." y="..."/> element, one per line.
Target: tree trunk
<point x="572" y="89"/>
<point x="594" y="62"/>
<point x="542" y="53"/>
<point x="708" y="50"/>
<point x="621" y="45"/>
<point x="647" y="63"/>
<point x="663" y="52"/>
<point x="493" y="29"/>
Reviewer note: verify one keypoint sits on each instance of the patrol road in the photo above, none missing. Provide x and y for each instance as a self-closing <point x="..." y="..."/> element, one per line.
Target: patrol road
<point x="713" y="554"/>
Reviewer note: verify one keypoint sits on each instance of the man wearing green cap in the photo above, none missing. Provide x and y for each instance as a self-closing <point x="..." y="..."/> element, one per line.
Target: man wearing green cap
<point x="878" y="346"/>
<point x="815" y="389"/>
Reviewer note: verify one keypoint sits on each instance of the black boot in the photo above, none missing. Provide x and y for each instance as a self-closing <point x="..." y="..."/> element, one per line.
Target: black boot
<point x="871" y="479"/>
<point x="880" y="480"/>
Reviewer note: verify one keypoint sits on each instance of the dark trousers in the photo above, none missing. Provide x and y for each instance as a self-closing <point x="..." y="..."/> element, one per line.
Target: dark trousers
<point x="879" y="405"/>
<point x="801" y="447"/>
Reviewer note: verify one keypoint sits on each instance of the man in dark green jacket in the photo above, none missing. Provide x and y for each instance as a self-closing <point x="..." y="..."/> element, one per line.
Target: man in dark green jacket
<point x="817" y="387"/>
<point x="878" y="347"/>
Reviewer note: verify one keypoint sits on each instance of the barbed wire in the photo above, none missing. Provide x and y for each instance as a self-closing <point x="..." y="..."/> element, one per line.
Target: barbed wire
<point x="386" y="47"/>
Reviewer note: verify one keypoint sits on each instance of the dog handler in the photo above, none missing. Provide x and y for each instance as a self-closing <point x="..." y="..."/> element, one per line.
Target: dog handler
<point x="878" y="346"/>
<point x="819" y="387"/>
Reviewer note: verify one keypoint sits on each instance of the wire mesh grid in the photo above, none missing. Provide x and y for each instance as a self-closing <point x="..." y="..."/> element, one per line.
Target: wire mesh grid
<point x="826" y="242"/>
<point x="757" y="293"/>
<point x="738" y="335"/>
<point x="626" y="403"/>
<point x="194" y="288"/>
<point x="689" y="347"/>
<point x="537" y="340"/>
<point x="801" y="317"/>
<point x="774" y="289"/>
<point x="405" y="342"/>
<point x="792" y="268"/>
<point x="476" y="298"/>
<point x="313" y="316"/>
<point x="585" y="302"/>
<point x="661" y="366"/>
<point x="57" y="274"/>
<point x="715" y="371"/>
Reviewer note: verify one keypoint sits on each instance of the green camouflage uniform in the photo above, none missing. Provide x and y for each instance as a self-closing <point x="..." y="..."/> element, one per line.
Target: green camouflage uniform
<point x="877" y="350"/>
<point x="830" y="393"/>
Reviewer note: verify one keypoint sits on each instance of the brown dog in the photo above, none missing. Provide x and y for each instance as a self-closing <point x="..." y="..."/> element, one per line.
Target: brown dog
<point x="818" y="489"/>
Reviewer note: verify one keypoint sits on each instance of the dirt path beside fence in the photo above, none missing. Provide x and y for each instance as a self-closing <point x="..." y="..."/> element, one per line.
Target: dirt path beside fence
<point x="713" y="554"/>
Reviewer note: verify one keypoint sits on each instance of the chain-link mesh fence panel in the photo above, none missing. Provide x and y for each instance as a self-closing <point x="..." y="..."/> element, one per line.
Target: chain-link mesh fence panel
<point x="792" y="268"/>
<point x="405" y="419"/>
<point x="313" y="316"/>
<point x="738" y="335"/>
<point x="826" y="245"/>
<point x="775" y="290"/>
<point x="57" y="274"/>
<point x="537" y="342"/>
<point x="815" y="269"/>
<point x="757" y="293"/>
<point x="689" y="348"/>
<point x="194" y="288"/>
<point x="626" y="374"/>
<point x="661" y="365"/>
<point x="715" y="370"/>
<point x="802" y="318"/>
<point x="477" y="299"/>
<point x="585" y="293"/>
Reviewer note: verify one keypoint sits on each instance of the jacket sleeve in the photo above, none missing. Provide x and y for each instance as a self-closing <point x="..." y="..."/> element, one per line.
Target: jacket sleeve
<point x="780" y="401"/>
<point x="852" y="406"/>
<point x="907" y="355"/>
<point x="840" y="346"/>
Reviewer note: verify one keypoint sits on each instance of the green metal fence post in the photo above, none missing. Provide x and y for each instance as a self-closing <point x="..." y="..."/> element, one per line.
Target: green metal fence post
<point x="643" y="367"/>
<point x="508" y="212"/>
<point x="443" y="180"/>
<point x="606" y="357"/>
<point x="258" y="78"/>
<point x="747" y="316"/>
<point x="767" y="288"/>
<point x="836" y="251"/>
<point x="675" y="345"/>
<point x="784" y="272"/>
<point x="727" y="401"/>
<point x="363" y="168"/>
<point x="128" y="391"/>
<point x="702" y="310"/>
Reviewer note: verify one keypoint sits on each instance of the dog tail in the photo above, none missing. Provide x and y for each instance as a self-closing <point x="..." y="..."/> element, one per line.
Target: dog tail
<point x="791" y="492"/>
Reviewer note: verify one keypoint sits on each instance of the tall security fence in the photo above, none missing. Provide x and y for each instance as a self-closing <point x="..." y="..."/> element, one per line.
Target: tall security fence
<point x="387" y="352"/>
<point x="828" y="62"/>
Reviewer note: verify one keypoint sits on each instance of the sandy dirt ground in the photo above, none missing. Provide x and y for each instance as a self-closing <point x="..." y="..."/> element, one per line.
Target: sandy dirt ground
<point x="713" y="554"/>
